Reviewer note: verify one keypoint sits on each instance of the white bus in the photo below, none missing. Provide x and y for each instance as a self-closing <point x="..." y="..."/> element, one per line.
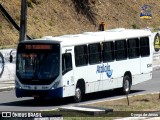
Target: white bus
<point x="74" y="65"/>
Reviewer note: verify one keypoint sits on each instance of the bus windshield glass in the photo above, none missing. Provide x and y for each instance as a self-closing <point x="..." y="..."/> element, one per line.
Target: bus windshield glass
<point x="38" y="64"/>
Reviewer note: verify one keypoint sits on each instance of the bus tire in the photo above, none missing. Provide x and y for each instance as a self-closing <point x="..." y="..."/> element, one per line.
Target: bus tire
<point x="78" y="94"/>
<point x="126" y="84"/>
<point x="79" y="91"/>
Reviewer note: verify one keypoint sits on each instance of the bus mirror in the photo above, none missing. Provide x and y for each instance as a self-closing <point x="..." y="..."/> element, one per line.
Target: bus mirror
<point x="11" y="59"/>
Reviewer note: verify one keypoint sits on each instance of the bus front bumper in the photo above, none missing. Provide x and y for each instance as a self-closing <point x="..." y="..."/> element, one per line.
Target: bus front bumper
<point x="55" y="93"/>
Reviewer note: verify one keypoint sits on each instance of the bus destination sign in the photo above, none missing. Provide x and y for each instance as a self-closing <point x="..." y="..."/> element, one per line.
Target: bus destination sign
<point x="38" y="47"/>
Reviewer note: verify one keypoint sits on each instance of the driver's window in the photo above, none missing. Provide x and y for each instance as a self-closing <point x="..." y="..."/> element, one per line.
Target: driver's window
<point x="66" y="62"/>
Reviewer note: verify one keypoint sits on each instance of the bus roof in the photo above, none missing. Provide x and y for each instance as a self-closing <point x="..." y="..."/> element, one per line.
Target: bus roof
<point x="100" y="36"/>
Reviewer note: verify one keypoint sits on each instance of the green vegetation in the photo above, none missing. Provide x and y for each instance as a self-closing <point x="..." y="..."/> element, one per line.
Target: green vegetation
<point x="35" y="17"/>
<point x="0" y="25"/>
<point x="134" y="26"/>
<point x="51" y="23"/>
<point x="30" y="3"/>
<point x="37" y="1"/>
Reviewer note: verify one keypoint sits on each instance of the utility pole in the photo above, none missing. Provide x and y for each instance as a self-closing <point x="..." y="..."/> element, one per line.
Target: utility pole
<point x="23" y="20"/>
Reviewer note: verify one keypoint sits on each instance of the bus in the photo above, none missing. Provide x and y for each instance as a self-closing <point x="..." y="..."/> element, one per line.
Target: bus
<point x="77" y="64"/>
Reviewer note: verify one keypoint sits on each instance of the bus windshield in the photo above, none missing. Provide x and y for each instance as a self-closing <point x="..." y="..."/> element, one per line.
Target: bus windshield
<point x="38" y="66"/>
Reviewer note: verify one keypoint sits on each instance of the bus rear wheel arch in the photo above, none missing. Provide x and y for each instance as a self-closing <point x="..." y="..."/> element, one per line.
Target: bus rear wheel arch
<point x="79" y="91"/>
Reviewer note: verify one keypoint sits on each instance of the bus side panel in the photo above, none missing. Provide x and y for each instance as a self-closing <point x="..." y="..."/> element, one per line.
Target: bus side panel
<point x="146" y="70"/>
<point x="69" y="91"/>
<point x="91" y="77"/>
<point x="145" y="67"/>
<point x="119" y="68"/>
<point x="141" y="78"/>
<point x="89" y="87"/>
<point x="146" y="64"/>
<point x="68" y="84"/>
<point x="108" y="79"/>
<point x="109" y="84"/>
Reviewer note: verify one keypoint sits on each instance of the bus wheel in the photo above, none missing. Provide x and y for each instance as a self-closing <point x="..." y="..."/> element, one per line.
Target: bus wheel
<point x="126" y="84"/>
<point x="78" y="94"/>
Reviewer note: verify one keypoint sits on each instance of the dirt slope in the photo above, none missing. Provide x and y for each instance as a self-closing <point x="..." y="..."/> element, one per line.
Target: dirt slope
<point x="57" y="17"/>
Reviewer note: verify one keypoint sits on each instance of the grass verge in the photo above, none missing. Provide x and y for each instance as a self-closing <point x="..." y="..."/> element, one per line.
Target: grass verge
<point x="148" y="102"/>
<point x="142" y="104"/>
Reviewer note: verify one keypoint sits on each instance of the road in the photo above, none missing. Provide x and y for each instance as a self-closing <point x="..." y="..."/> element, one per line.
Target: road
<point x="8" y="101"/>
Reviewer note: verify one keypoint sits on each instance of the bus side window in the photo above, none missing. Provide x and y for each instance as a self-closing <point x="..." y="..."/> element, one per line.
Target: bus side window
<point x="133" y="48"/>
<point x="144" y="46"/>
<point x="81" y="55"/>
<point x="120" y="49"/>
<point x="66" y="63"/>
<point x="108" y="51"/>
<point x="94" y="53"/>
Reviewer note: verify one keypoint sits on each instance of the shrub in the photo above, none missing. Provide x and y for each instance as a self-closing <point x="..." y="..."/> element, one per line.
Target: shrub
<point x="134" y="26"/>
<point x="36" y="1"/>
<point x="0" y="25"/>
<point x="29" y="3"/>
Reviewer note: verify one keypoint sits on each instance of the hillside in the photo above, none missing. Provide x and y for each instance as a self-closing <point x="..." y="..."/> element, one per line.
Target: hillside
<point x="58" y="17"/>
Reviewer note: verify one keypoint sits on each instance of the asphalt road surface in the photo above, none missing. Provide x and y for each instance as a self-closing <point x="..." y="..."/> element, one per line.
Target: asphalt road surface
<point x="9" y="102"/>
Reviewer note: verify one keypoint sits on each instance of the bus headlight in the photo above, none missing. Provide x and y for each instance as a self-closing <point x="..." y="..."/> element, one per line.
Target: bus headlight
<point x="18" y="86"/>
<point x="55" y="85"/>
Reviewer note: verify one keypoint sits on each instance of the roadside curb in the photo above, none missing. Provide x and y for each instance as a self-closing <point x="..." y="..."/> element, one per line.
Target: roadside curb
<point x="7" y="88"/>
